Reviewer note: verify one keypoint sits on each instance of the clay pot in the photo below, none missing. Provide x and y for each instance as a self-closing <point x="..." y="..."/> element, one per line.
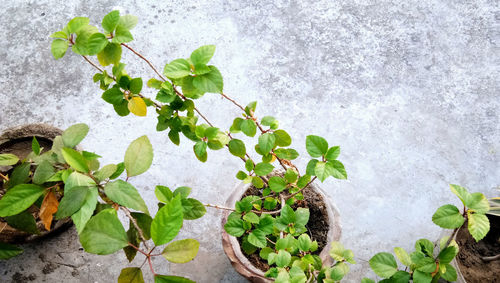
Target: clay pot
<point x="244" y="266"/>
<point x="17" y="140"/>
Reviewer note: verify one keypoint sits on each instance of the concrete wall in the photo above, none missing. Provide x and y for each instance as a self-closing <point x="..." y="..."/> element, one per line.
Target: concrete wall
<point x="409" y="89"/>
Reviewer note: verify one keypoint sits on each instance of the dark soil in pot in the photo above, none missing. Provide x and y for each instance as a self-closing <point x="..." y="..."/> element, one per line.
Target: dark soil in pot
<point x="473" y="268"/>
<point x="317" y="226"/>
<point x="17" y="141"/>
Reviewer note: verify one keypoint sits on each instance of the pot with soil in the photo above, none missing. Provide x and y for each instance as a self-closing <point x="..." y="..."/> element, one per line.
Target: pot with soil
<point x="323" y="226"/>
<point x="18" y="141"/>
<point x="478" y="261"/>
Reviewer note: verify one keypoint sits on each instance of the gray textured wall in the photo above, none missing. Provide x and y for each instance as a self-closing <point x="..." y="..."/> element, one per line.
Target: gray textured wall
<point x="409" y="89"/>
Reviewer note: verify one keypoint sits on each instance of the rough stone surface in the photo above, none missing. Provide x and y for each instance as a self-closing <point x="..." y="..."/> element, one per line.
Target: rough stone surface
<point x="409" y="89"/>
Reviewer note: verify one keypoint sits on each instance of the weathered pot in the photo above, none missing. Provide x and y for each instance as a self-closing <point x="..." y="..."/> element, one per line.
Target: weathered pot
<point x="243" y="265"/>
<point x="17" y="140"/>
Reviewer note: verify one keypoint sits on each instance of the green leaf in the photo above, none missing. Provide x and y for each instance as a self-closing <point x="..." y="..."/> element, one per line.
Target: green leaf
<point x="76" y="179"/>
<point x="144" y="221"/>
<point x="478" y="202"/>
<point x="403" y="256"/>
<point x="421" y="277"/>
<point x="210" y="82"/>
<point x="400" y="277"/>
<point x="183" y="191"/>
<point x="283" y="258"/>
<point x="266" y="142"/>
<point x="138" y="157"/>
<point x="59" y="34"/>
<point x="283" y="139"/>
<point x="424" y="246"/>
<point x="384" y="264"/>
<point x="339" y="271"/>
<point x="234" y="227"/>
<point x="171" y="279"/>
<point x="448" y="254"/>
<point x="479" y="225"/>
<point x="135" y="85"/>
<point x="257" y="238"/>
<point x="111" y="54"/>
<point x="96" y="43"/>
<point x="59" y="47"/>
<point x="105" y="172"/>
<point x="167" y="222"/>
<point x="35" y="146"/>
<point x="202" y="55"/>
<point x="130" y="274"/>
<point x="248" y="127"/>
<point x="237" y="148"/>
<point x="193" y="209"/>
<point x="181" y="251"/>
<point x="277" y="184"/>
<point x="450" y="273"/>
<point x="262" y="169"/>
<point x="20" y="175"/>
<point x="122" y="35"/>
<point x="367" y="280"/>
<point x="304" y="242"/>
<point x="287" y="215"/>
<point x="337" y="169"/>
<point x="311" y="166"/>
<point x="128" y="21"/>
<point x="249" y="165"/>
<point x="250" y="108"/>
<point x="461" y="193"/>
<point x="43" y="172"/>
<point x="200" y="150"/>
<point x="177" y="69"/>
<point x="104" y="234"/>
<point x="322" y="170"/>
<point x="82" y="216"/>
<point x="19" y="198"/>
<point x="23" y="221"/>
<point x="302" y="216"/>
<point x="8" y="251"/>
<point x="125" y="194"/>
<point x="316" y="146"/>
<point x="75" y="159"/>
<point x="251" y="217"/>
<point x="72" y="201"/>
<point x="113" y="95"/>
<point x="448" y="216"/>
<point x="291" y="176"/>
<point x="110" y="21"/>
<point x="76" y="24"/>
<point x="163" y="194"/>
<point x="7" y="159"/>
<point x="332" y="153"/>
<point x="73" y="135"/>
<point x="286" y="153"/>
<point x="266" y="224"/>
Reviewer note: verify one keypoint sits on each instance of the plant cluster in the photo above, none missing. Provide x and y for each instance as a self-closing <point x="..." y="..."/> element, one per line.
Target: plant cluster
<point x="66" y="182"/>
<point x="185" y="80"/>
<point x="426" y="264"/>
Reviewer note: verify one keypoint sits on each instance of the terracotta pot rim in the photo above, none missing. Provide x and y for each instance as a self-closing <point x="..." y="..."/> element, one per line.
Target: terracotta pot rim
<point x="241" y="263"/>
<point x="39" y="130"/>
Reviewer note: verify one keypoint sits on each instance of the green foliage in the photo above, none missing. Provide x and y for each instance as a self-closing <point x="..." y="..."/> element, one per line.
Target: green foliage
<point x="138" y="157"/>
<point x="167" y="222"/>
<point x="8" y="251"/>
<point x="181" y="251"/>
<point x="125" y="194"/>
<point x="7" y="159"/>
<point x="103" y="234"/>
<point x="19" y="198"/>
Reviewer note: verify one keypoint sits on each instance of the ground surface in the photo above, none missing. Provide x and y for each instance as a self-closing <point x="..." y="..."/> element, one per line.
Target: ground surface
<point x="409" y="89"/>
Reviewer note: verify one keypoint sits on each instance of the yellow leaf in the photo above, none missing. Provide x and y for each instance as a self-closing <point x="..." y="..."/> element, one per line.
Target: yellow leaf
<point x="137" y="106"/>
<point x="48" y="208"/>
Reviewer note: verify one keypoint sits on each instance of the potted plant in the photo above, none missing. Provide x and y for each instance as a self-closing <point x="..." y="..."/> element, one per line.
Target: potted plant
<point x="276" y="198"/>
<point x="430" y="262"/>
<point x="16" y="144"/>
<point x="67" y="182"/>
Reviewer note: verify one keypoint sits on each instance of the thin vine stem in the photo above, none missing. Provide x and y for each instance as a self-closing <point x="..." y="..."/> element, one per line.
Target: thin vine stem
<point x="299" y="191"/>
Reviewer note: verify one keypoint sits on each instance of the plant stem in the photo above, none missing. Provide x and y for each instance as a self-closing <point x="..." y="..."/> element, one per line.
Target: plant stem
<point x="292" y="195"/>
<point x="270" y="241"/>
<point x="134" y="222"/>
<point x="4" y="177"/>
<point x="151" y="266"/>
<point x="137" y="249"/>
<point x="146" y="60"/>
